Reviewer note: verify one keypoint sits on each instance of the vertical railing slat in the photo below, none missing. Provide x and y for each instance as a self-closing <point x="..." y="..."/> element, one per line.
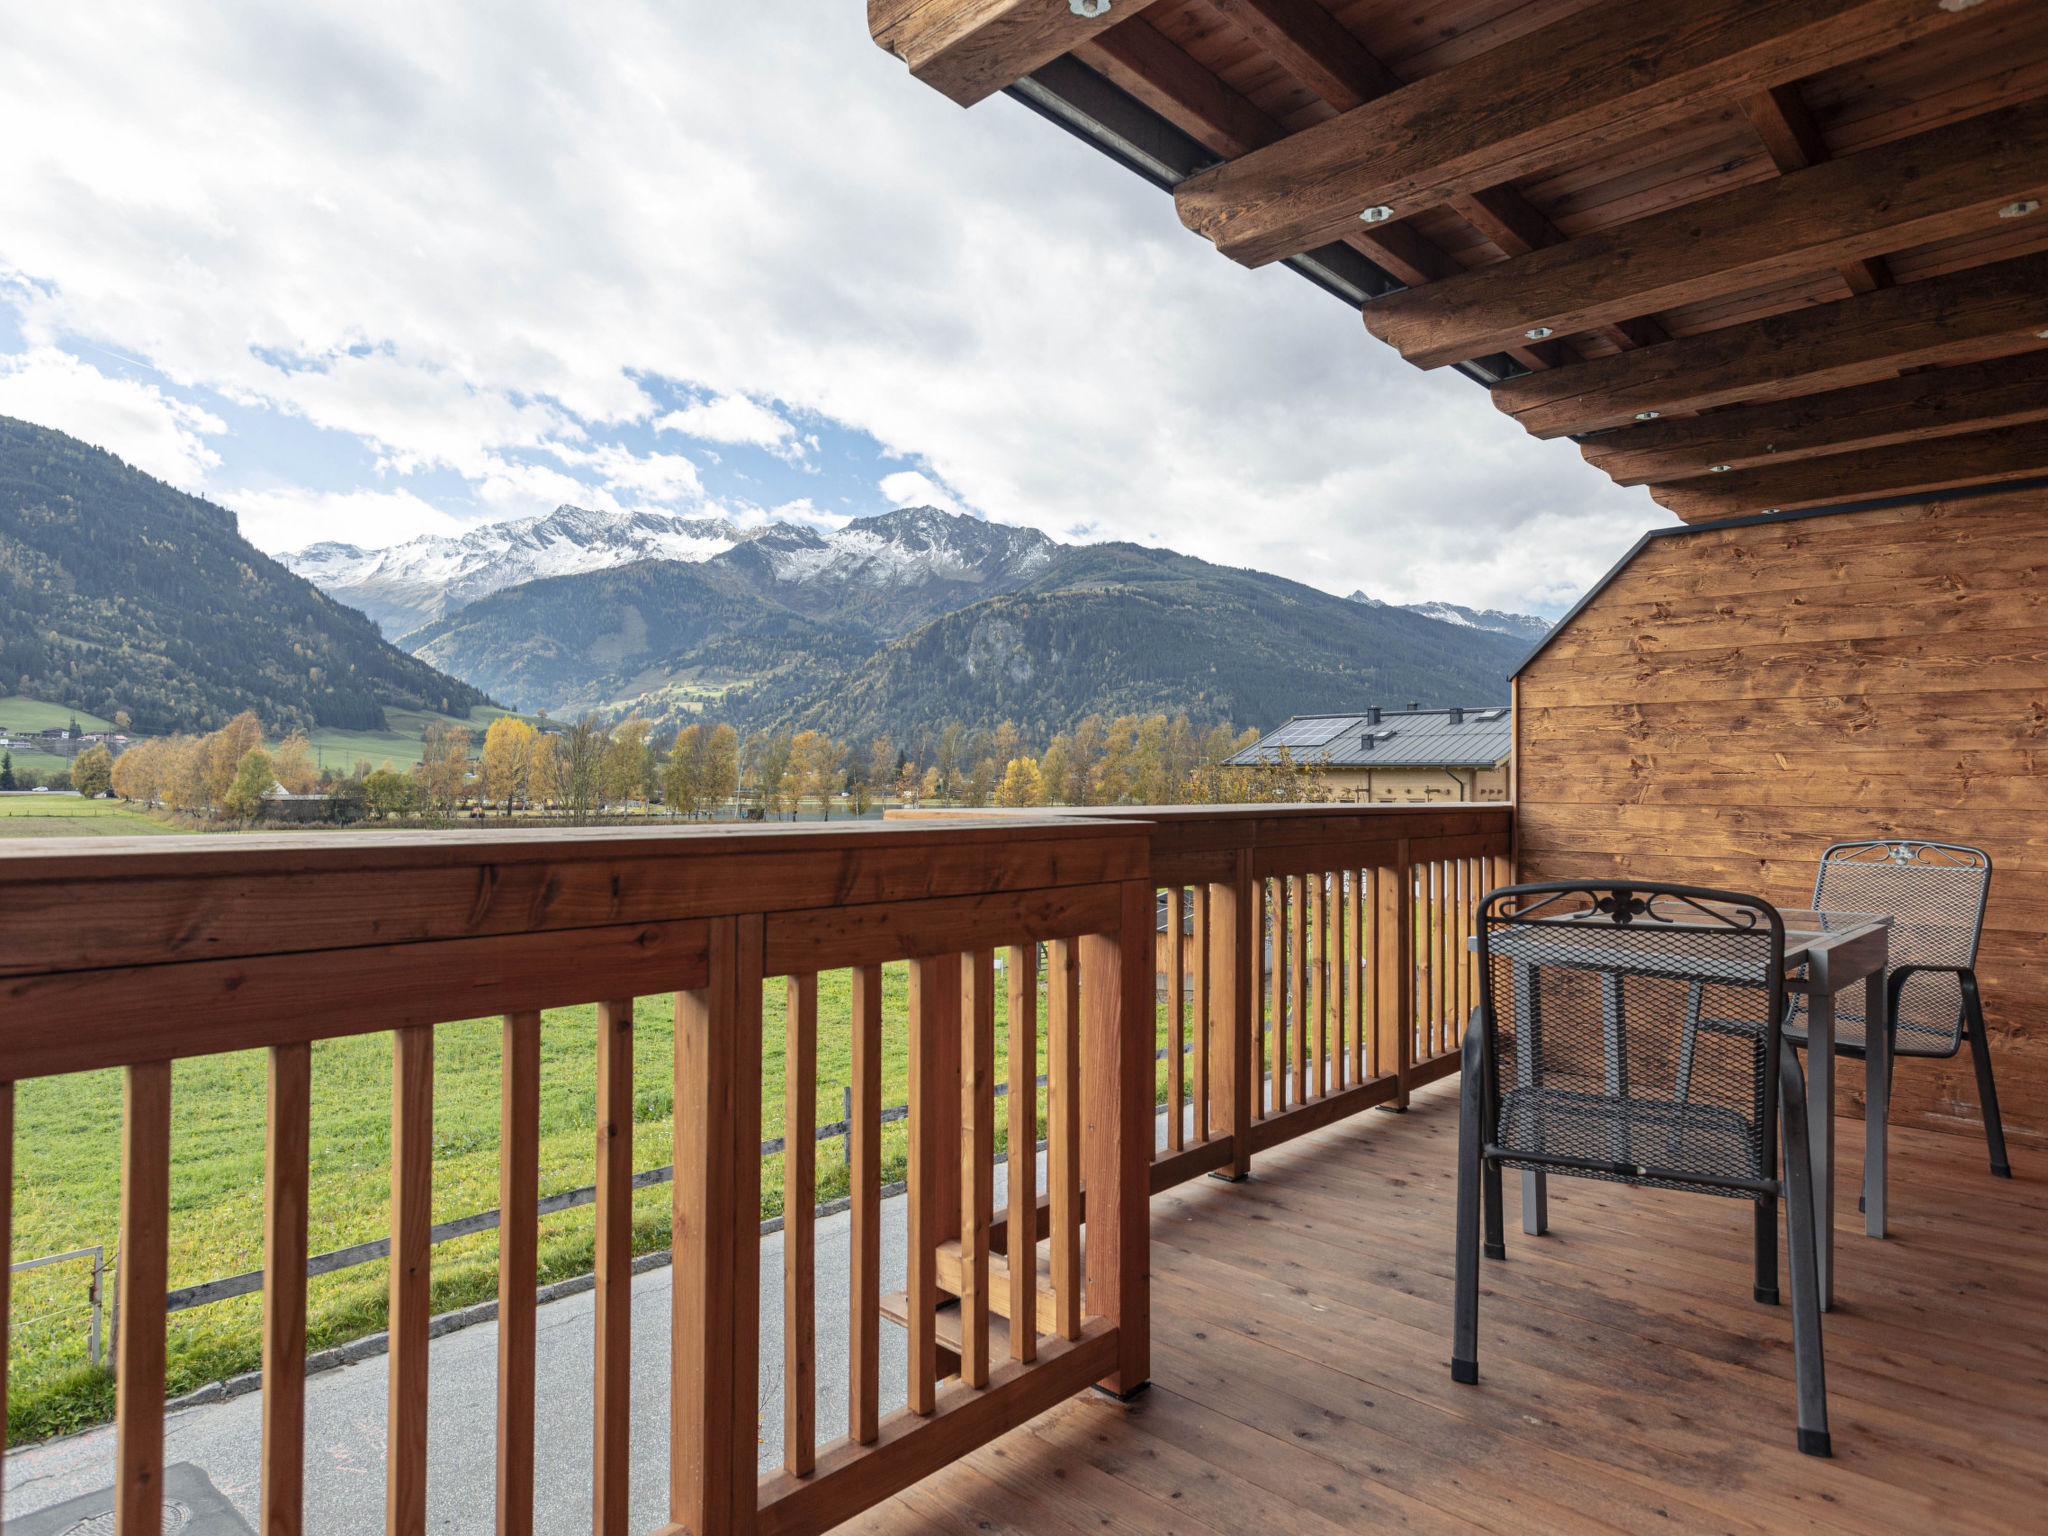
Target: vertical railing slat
<point x="1200" y="1010"/>
<point x="1264" y="961"/>
<point x="1369" y="974"/>
<point x="143" y="1272"/>
<point x="1325" y="1077"/>
<point x="612" y="1368"/>
<point x="6" y="1248"/>
<point x="1176" y="1008"/>
<point x="1063" y="1131"/>
<point x="864" y="1188"/>
<point x="921" y="1263"/>
<point x="1021" y="971"/>
<point x="412" y="1217"/>
<point x="286" y="1154"/>
<point x="518" y="1266"/>
<point x="977" y="1156"/>
<point x="799" y="1226"/>
<point x="1297" y="983"/>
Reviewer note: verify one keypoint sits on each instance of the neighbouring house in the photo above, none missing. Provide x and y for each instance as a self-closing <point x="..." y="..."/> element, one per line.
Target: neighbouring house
<point x="280" y="804"/>
<point x="1397" y="756"/>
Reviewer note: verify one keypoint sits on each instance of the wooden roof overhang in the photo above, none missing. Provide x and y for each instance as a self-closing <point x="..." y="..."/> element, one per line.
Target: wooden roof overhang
<point x="1755" y="255"/>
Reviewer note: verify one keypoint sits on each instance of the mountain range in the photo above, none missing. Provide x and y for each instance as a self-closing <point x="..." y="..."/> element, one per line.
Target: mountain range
<point x="118" y="593"/>
<point x="903" y="620"/>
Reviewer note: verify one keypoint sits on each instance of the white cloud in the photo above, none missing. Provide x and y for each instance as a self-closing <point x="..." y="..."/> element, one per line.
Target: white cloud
<point x="908" y="488"/>
<point x="155" y="432"/>
<point x="464" y="235"/>
<point x="732" y="419"/>
<point x="280" y="518"/>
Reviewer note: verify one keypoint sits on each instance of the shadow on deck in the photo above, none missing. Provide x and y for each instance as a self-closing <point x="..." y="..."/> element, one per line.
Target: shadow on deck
<point x="1301" y="1339"/>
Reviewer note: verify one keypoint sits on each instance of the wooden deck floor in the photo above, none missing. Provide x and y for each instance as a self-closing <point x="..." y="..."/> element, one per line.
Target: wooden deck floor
<point x="1301" y="1346"/>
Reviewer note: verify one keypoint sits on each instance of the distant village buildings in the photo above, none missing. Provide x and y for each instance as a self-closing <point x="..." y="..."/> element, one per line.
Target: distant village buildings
<point x="1397" y="756"/>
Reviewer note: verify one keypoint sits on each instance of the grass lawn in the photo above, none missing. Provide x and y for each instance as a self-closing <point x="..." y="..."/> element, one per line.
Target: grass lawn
<point x="19" y="715"/>
<point x="31" y="815"/>
<point x="67" y="1188"/>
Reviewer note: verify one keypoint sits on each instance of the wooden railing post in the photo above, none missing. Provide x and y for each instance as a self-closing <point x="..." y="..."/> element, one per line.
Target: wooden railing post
<point x="139" y="1299"/>
<point x="285" y="1171"/>
<point x="1118" y="1025"/>
<point x="612" y="1385"/>
<point x="1233" y="1032"/>
<point x="518" y="1267"/>
<point x="716" y="1337"/>
<point x="412" y="1218"/>
<point x="1394" y="963"/>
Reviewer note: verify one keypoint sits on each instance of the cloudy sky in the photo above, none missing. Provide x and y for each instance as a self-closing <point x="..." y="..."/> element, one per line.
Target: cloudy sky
<point x="372" y="270"/>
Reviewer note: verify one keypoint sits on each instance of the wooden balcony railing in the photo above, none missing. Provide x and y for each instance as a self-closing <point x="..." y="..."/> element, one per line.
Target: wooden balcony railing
<point x="1308" y="986"/>
<point x="134" y="956"/>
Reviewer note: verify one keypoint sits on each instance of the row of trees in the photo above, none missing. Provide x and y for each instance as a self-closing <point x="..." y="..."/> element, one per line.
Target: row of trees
<point x="221" y="773"/>
<point x="592" y="768"/>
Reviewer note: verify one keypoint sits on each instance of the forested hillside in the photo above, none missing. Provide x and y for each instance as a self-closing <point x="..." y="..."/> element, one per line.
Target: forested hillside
<point x="1115" y="629"/>
<point x="118" y="593"/>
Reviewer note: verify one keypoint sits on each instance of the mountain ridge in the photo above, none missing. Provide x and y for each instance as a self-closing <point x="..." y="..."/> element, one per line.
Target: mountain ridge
<point x="120" y="593"/>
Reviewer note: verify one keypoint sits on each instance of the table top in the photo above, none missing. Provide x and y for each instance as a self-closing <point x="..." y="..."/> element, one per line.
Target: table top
<point x="1812" y="938"/>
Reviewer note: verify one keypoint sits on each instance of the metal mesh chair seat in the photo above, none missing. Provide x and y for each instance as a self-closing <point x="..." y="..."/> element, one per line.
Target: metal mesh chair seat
<point x="1650" y="1136"/>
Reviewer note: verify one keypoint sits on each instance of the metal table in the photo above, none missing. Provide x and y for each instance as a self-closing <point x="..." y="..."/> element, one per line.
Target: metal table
<point x="1825" y="954"/>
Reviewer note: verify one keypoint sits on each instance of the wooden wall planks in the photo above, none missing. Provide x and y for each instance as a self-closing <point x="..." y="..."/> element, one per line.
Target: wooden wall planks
<point x="1739" y="698"/>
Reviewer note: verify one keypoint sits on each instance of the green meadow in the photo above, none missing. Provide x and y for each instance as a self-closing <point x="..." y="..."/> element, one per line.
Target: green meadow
<point x="67" y="1189"/>
<point x="69" y="816"/>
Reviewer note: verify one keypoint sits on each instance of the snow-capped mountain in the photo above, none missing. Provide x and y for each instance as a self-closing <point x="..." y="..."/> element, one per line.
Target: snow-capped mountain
<point x="1523" y="626"/>
<point x="891" y="571"/>
<point x="407" y="585"/>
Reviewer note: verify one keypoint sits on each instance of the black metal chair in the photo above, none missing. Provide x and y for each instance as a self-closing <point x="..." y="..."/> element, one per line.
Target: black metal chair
<point x="1593" y="1053"/>
<point x="1935" y="894"/>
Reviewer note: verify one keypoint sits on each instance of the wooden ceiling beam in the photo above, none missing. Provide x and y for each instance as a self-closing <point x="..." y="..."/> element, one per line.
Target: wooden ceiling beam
<point x="970" y="49"/>
<point x="1518" y="227"/>
<point x="1615" y="69"/>
<point x="2004" y="392"/>
<point x="1956" y="318"/>
<point x="1140" y="58"/>
<point x="1159" y="72"/>
<point x="1314" y="47"/>
<point x="1949" y="181"/>
<point x="1901" y="469"/>
<point x="1793" y="141"/>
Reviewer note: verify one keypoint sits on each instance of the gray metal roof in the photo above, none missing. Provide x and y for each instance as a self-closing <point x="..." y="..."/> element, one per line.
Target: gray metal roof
<point x="1403" y="738"/>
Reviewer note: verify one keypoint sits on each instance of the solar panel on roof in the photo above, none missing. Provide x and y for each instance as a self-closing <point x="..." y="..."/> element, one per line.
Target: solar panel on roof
<point x="1317" y="731"/>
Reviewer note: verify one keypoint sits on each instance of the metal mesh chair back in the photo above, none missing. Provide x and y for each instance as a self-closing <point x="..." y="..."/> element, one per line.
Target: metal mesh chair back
<point x="1935" y="895"/>
<point x="1623" y="1032"/>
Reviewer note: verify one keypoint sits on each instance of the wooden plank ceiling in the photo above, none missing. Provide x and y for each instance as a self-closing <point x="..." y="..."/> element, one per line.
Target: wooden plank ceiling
<point x="1753" y="254"/>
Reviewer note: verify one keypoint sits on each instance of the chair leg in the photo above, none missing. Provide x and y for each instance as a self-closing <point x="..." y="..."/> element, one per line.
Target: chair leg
<point x="1767" y="1249"/>
<point x="1987" y="1091"/>
<point x="1471" y="1161"/>
<point x="1535" y="1201"/>
<point x="1808" y="1360"/>
<point x="1496" y="1226"/>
